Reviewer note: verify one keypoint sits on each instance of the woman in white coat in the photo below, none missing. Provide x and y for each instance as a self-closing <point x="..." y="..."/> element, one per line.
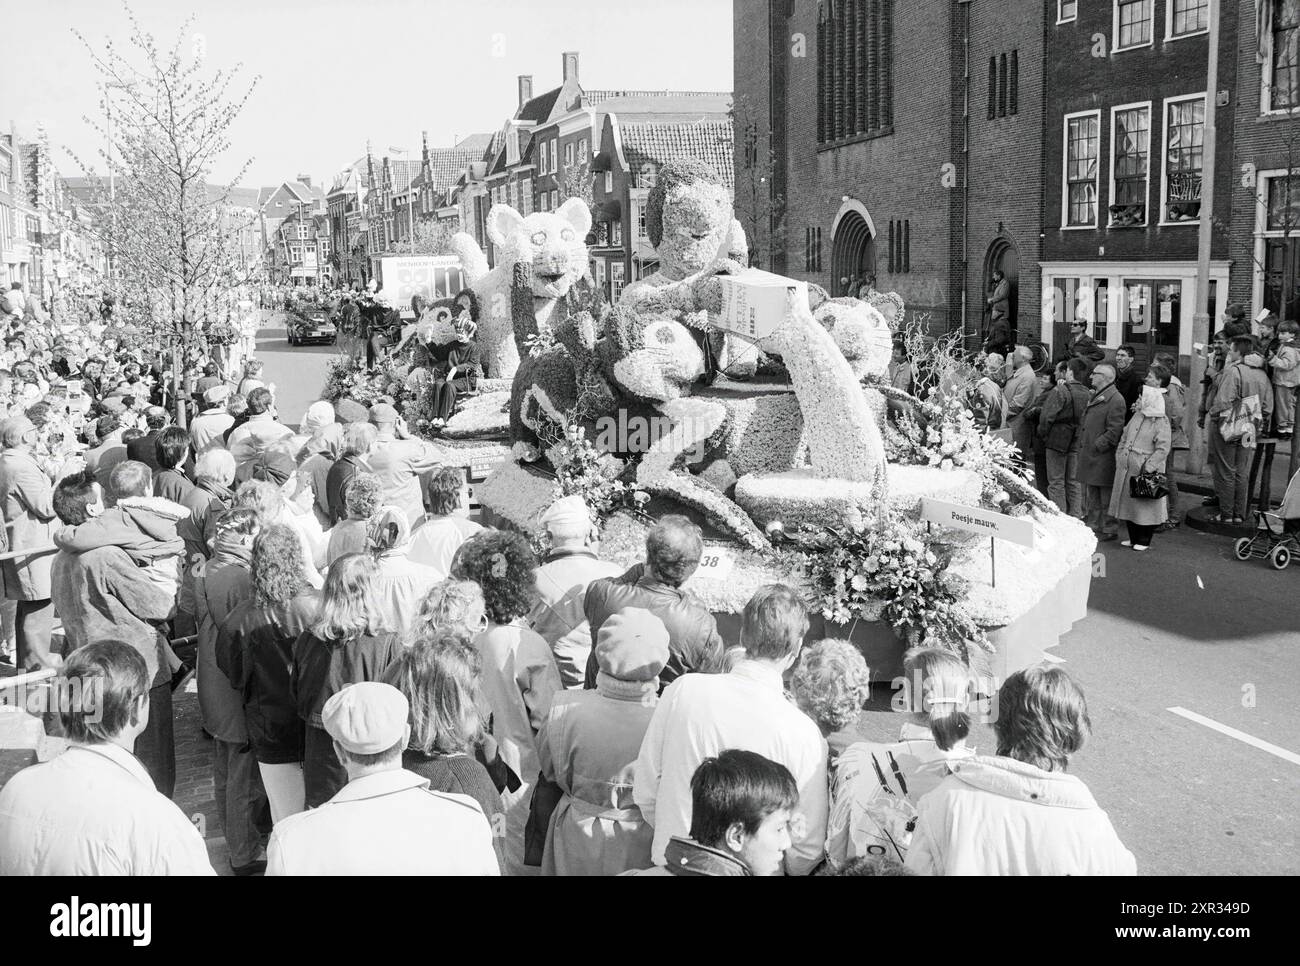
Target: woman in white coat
<point x="1018" y="812"/>
<point x="1144" y="446"/>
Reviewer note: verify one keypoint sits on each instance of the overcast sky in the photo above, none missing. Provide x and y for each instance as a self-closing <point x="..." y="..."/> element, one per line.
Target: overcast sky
<point x="336" y="73"/>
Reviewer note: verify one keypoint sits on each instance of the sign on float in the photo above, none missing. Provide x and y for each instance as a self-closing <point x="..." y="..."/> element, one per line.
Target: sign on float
<point x="754" y="302"/>
<point x="977" y="520"/>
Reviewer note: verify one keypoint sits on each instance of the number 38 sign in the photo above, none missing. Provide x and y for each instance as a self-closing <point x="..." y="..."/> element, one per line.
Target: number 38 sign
<point x="716" y="564"/>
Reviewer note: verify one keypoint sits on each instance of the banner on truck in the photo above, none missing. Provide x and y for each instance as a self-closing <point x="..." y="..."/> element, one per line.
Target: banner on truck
<point x="433" y="276"/>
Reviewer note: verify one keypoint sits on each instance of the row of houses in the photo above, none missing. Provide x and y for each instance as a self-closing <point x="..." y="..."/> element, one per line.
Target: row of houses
<point x="46" y="231"/>
<point x="928" y="143"/>
<point x="604" y="146"/>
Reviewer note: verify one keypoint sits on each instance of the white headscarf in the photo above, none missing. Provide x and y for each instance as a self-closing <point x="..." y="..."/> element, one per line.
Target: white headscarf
<point x="1151" y="402"/>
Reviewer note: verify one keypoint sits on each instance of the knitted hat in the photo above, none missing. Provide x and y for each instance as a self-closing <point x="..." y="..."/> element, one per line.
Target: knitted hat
<point x="567" y="512"/>
<point x="366" y="718"/>
<point x="318" y="414"/>
<point x="632" y="645"/>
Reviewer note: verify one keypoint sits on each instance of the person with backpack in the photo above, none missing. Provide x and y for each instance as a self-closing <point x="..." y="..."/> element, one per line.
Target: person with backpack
<point x="1060" y="426"/>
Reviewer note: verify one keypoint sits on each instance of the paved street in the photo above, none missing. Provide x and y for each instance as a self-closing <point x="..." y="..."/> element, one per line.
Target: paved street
<point x="297" y="371"/>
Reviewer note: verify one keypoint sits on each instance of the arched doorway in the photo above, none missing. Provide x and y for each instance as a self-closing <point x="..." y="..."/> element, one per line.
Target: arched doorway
<point x="853" y="240"/>
<point x="1004" y="256"/>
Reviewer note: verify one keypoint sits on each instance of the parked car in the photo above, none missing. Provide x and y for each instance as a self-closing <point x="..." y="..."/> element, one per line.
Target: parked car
<point x="312" y="325"/>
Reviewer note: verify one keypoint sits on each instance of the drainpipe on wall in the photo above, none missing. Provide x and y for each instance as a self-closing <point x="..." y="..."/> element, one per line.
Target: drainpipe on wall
<point x="965" y="168"/>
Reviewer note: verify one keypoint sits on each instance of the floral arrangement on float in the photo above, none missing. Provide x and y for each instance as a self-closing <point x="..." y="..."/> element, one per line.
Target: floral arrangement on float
<point x="894" y="571"/>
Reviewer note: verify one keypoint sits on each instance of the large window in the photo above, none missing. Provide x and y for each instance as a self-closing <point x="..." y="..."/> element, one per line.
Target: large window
<point x="568" y="154"/>
<point x="1132" y="23"/>
<point x="812" y="249"/>
<point x="1184" y="157"/>
<point x="1004" y="85"/>
<point x="616" y="279"/>
<point x="543" y="168"/>
<point x="1283" y="81"/>
<point x="1277" y="253"/>
<point x="900" y="246"/>
<point x="555" y="155"/>
<point x="855" y="74"/>
<point x="1187" y="17"/>
<point x="1082" y="150"/>
<point x="1130" y="138"/>
<point x="1085" y="299"/>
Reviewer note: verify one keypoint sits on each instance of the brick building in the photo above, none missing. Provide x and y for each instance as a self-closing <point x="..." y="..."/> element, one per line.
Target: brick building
<point x="867" y="119"/>
<point x="1123" y="153"/>
<point x="1265" y="148"/>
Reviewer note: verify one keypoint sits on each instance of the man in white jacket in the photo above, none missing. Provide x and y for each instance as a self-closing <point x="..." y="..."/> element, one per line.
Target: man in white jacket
<point x="701" y="715"/>
<point x="1018" y="813"/>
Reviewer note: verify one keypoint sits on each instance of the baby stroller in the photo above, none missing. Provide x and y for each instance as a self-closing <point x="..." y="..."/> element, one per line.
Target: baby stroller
<point x="1277" y="532"/>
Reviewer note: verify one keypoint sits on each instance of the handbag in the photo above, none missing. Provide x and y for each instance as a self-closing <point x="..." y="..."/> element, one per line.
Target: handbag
<point x="1148" y="485"/>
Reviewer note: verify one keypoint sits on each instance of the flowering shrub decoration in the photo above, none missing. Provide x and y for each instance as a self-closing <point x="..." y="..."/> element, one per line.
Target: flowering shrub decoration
<point x="583" y="470"/>
<point x="348" y="377"/>
<point x="893" y="571"/>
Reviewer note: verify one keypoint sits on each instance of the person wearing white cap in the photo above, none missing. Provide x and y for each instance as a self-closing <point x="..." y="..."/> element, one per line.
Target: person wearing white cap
<point x="385" y="820"/>
<point x="588" y="746"/>
<point x="562" y="581"/>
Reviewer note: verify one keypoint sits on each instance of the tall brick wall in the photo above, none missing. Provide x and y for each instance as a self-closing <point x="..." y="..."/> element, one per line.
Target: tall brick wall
<point x="1080" y="81"/>
<point x="896" y="176"/>
<point x="752" y="41"/>
<point x="1006" y="174"/>
<point x="1257" y="140"/>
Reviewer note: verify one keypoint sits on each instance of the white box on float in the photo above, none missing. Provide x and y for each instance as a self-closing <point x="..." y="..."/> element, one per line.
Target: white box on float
<point x="754" y="302"/>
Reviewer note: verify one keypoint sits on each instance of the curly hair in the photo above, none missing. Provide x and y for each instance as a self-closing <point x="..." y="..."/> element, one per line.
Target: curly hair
<point x="456" y="603"/>
<point x="278" y="572"/>
<point x="470" y="296"/>
<point x="261" y="496"/>
<point x="444" y="491"/>
<point x="831" y="683"/>
<point x="502" y="564"/>
<point x="363" y="495"/>
<point x="683" y="171"/>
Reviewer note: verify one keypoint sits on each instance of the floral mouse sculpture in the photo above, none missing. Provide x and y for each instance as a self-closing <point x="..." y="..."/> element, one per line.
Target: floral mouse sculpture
<point x="544" y="254"/>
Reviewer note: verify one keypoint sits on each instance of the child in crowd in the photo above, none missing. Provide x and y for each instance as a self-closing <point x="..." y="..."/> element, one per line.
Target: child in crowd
<point x="143" y="526"/>
<point x="1285" y="363"/>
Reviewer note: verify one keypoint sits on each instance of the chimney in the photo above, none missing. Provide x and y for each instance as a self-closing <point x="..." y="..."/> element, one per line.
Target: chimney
<point x="525" y="89"/>
<point x="424" y="150"/>
<point x="305" y="179"/>
<point x="571" y="66"/>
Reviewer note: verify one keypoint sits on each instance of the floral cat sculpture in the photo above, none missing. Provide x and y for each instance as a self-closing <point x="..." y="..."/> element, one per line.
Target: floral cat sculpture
<point x="544" y="253"/>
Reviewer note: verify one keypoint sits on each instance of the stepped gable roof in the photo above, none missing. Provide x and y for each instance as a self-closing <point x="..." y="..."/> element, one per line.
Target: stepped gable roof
<point x="658" y="143"/>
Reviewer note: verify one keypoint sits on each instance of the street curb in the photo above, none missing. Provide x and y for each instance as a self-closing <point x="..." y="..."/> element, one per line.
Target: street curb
<point x="1197" y="519"/>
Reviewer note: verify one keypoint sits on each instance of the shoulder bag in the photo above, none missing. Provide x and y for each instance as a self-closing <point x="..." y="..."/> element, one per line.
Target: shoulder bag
<point x="1148" y="485"/>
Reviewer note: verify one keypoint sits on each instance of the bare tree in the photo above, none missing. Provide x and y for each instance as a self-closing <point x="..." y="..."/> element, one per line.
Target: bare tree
<point x="432" y="237"/>
<point x="172" y="235"/>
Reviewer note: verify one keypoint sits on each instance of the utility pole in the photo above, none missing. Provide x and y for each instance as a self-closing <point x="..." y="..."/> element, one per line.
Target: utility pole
<point x="1201" y="319"/>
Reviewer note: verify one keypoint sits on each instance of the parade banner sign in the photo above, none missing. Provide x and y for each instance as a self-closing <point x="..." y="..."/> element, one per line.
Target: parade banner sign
<point x="402" y="277"/>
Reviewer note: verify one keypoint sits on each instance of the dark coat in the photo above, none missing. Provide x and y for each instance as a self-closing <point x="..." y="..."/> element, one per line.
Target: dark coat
<point x="693" y="640"/>
<point x="1084" y="347"/>
<point x="255" y="651"/>
<point x="336" y="481"/>
<point x="1129" y="384"/>
<point x="142" y="450"/>
<point x="1103" y="424"/>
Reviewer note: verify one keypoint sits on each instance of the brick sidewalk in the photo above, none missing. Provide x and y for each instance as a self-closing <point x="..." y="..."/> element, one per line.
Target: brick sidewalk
<point x="193" y="793"/>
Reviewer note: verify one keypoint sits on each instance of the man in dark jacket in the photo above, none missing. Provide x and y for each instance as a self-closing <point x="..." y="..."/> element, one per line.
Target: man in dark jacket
<point x="358" y="441"/>
<point x="673" y="549"/>
<point x="1103" y="425"/>
<point x="1127" y="378"/>
<point x="1060" y="425"/>
<point x="1081" y="345"/>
